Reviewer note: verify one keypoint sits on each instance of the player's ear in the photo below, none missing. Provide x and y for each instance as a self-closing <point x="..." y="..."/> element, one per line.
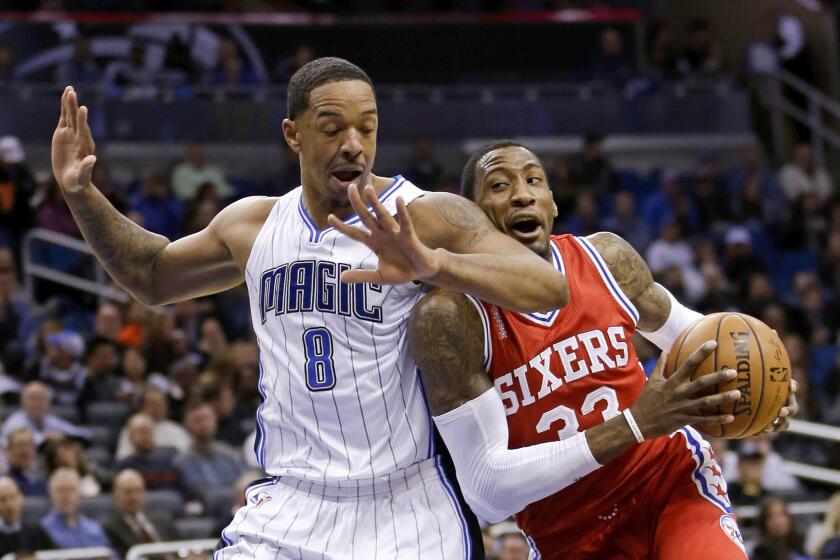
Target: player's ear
<point x="290" y="133"/>
<point x="554" y="205"/>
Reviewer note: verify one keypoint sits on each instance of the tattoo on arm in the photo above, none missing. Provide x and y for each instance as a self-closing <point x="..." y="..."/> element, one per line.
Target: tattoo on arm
<point x="462" y="214"/>
<point x="635" y="279"/>
<point x="446" y="338"/>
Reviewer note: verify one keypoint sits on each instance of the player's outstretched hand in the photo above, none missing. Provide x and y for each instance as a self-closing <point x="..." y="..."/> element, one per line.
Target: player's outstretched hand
<point x="72" y="145"/>
<point x="782" y="422"/>
<point x="402" y="256"/>
<point x="666" y="405"/>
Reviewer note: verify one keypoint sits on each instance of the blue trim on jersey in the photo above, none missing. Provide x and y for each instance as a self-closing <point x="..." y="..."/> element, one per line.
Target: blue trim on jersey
<point x="697" y="451"/>
<point x="259" y="442"/>
<point x="447" y="486"/>
<point x="431" y="449"/>
<point x="533" y="546"/>
<point x="547" y="318"/>
<point x="619" y="295"/>
<point x="315" y="234"/>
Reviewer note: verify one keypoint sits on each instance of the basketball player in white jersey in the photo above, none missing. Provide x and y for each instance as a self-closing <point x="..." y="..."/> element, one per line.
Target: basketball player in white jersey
<point x="343" y="430"/>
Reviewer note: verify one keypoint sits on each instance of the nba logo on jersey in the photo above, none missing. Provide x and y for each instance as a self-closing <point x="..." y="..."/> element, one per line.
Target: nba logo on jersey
<point x="730" y="527"/>
<point x="260" y="498"/>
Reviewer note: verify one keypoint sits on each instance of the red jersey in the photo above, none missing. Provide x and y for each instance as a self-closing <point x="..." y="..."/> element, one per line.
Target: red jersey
<point x="562" y="372"/>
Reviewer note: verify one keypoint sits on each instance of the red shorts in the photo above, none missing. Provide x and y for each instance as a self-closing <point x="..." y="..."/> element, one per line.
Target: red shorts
<point x="681" y="512"/>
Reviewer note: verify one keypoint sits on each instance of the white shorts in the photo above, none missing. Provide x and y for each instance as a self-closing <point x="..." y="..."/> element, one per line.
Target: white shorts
<point x="416" y="514"/>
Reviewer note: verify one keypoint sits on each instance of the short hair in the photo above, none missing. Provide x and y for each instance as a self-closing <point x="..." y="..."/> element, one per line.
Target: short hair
<point x="97" y="341"/>
<point x="64" y="472"/>
<point x="317" y="73"/>
<point x="468" y="174"/>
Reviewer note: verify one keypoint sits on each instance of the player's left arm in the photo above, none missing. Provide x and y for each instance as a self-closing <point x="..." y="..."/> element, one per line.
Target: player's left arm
<point x="445" y="240"/>
<point x="661" y="317"/>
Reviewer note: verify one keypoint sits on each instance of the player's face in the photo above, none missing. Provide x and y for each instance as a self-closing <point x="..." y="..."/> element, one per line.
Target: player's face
<point x="511" y="188"/>
<point x="336" y="139"/>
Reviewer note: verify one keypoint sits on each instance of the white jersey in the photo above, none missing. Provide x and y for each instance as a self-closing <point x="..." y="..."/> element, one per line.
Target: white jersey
<point x="342" y="399"/>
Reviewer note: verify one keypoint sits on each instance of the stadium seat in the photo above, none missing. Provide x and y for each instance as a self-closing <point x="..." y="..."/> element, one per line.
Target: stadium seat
<point x="101" y="456"/>
<point x="34" y="508"/>
<point x="97" y="506"/>
<point x="104" y="436"/>
<point x="196" y="528"/>
<point x="218" y="501"/>
<point x="107" y="413"/>
<point x="67" y="412"/>
<point x="165" y="501"/>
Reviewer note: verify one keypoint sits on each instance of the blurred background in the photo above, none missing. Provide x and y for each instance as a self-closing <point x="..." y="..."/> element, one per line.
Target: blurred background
<point x="705" y="133"/>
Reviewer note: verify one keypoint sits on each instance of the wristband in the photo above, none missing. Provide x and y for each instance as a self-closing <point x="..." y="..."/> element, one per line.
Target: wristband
<point x="637" y="433"/>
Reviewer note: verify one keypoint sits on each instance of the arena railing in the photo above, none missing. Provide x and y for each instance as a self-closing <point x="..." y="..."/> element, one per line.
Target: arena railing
<point x="70" y="554"/>
<point x="181" y="548"/>
<point x="32" y="269"/>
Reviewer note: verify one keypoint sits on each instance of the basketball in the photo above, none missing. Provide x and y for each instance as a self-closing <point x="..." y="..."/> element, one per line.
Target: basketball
<point x="755" y="352"/>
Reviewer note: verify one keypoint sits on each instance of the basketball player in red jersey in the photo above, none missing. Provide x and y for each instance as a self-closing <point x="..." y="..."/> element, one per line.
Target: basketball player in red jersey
<point x="594" y="460"/>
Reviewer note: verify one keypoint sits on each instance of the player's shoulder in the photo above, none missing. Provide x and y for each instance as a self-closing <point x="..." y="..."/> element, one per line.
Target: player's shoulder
<point x="251" y="210"/>
<point x="444" y="308"/>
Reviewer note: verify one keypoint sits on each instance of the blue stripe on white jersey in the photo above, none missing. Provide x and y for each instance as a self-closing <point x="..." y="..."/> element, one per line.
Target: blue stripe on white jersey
<point x="341" y="396"/>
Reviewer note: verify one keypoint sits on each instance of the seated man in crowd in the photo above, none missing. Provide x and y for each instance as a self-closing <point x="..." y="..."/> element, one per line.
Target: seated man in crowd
<point x="167" y="433"/>
<point x="15" y="536"/>
<point x="209" y="462"/>
<point x="64" y="525"/>
<point x="128" y="525"/>
<point x="34" y="413"/>
<point x="23" y="462"/>
<point x="61" y="368"/>
<point x="156" y="465"/>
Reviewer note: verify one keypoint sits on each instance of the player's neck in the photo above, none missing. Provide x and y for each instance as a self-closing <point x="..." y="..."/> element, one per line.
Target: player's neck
<point x="319" y="206"/>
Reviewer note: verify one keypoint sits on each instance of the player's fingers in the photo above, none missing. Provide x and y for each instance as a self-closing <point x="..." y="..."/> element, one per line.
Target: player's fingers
<point x="711" y="401"/>
<point x="404" y="218"/>
<point x="778" y="425"/>
<point x="354" y="233"/>
<point x="659" y="369"/>
<point x="710" y="420"/>
<point x="62" y="115"/>
<point x="684" y="372"/>
<point x="360" y="276"/>
<point x="386" y="220"/>
<point x="360" y="207"/>
<point x="86" y="170"/>
<point x="794" y="387"/>
<point x="85" y="135"/>
<point x="705" y="381"/>
<point x="72" y="109"/>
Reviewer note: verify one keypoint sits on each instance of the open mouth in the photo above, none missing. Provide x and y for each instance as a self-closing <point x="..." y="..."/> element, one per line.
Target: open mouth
<point x="526" y="229"/>
<point x="347" y="176"/>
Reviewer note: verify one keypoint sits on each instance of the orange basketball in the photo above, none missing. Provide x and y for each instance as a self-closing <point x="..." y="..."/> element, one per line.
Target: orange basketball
<point x="755" y="352"/>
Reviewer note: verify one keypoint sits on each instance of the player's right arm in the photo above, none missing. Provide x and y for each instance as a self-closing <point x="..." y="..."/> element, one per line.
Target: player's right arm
<point x="447" y="341"/>
<point x="150" y="267"/>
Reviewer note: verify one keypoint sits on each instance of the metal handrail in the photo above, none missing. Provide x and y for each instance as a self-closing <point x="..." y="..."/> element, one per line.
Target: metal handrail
<point x="794" y="508"/>
<point x="140" y="551"/>
<point x="815" y="430"/>
<point x="31" y="270"/>
<point x="69" y="554"/>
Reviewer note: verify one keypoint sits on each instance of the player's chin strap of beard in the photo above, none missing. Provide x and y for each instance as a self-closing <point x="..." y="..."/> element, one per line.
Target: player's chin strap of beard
<point x="678" y="320"/>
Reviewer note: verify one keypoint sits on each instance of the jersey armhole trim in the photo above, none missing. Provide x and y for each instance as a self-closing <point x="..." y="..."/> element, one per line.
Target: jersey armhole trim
<point x="606" y="275"/>
<point x="260" y="234"/>
<point x="485" y="325"/>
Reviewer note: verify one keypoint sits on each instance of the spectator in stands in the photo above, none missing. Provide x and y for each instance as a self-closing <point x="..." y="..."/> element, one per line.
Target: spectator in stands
<point x="34" y="413"/>
<point x="16" y="315"/>
<point x="747" y="488"/>
<point x="167" y="433"/>
<point x="22" y="455"/>
<point x="102" y="382"/>
<point x="201" y="208"/>
<point x="288" y="65"/>
<point x="827" y="543"/>
<point x="830" y="265"/>
<point x="155" y="464"/>
<point x="718" y="296"/>
<point x="423" y="168"/>
<point x="702" y="55"/>
<point x="108" y="322"/>
<point x="15" y="535"/>
<point x="671" y="249"/>
<point x="133" y="328"/>
<point x="230" y="70"/>
<point x="625" y="222"/>
<point x="739" y="260"/>
<point x="52" y="211"/>
<point x="711" y="198"/>
<point x="114" y="192"/>
<point x="802" y="176"/>
<point x="190" y="174"/>
<point x="585" y="220"/>
<point x="612" y="64"/>
<point x="134" y="376"/>
<point x="213" y="341"/>
<point x="161" y="346"/>
<point x="767" y="470"/>
<point x="7" y="65"/>
<point x="161" y="213"/>
<point x="81" y="69"/>
<point x="128" y="524"/>
<point x="760" y="293"/>
<point x="513" y="546"/>
<point x="208" y="462"/>
<point x="662" y="50"/>
<point x="779" y="538"/>
<point x="806" y="227"/>
<point x="490" y="544"/>
<point x="132" y="76"/>
<point x="755" y="189"/>
<point x="65" y="526"/>
<point x="592" y="167"/>
<point x="564" y="190"/>
<point x="216" y="392"/>
<point x="669" y="204"/>
<point x="17" y="187"/>
<point x="61" y="369"/>
<point x="65" y="453"/>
